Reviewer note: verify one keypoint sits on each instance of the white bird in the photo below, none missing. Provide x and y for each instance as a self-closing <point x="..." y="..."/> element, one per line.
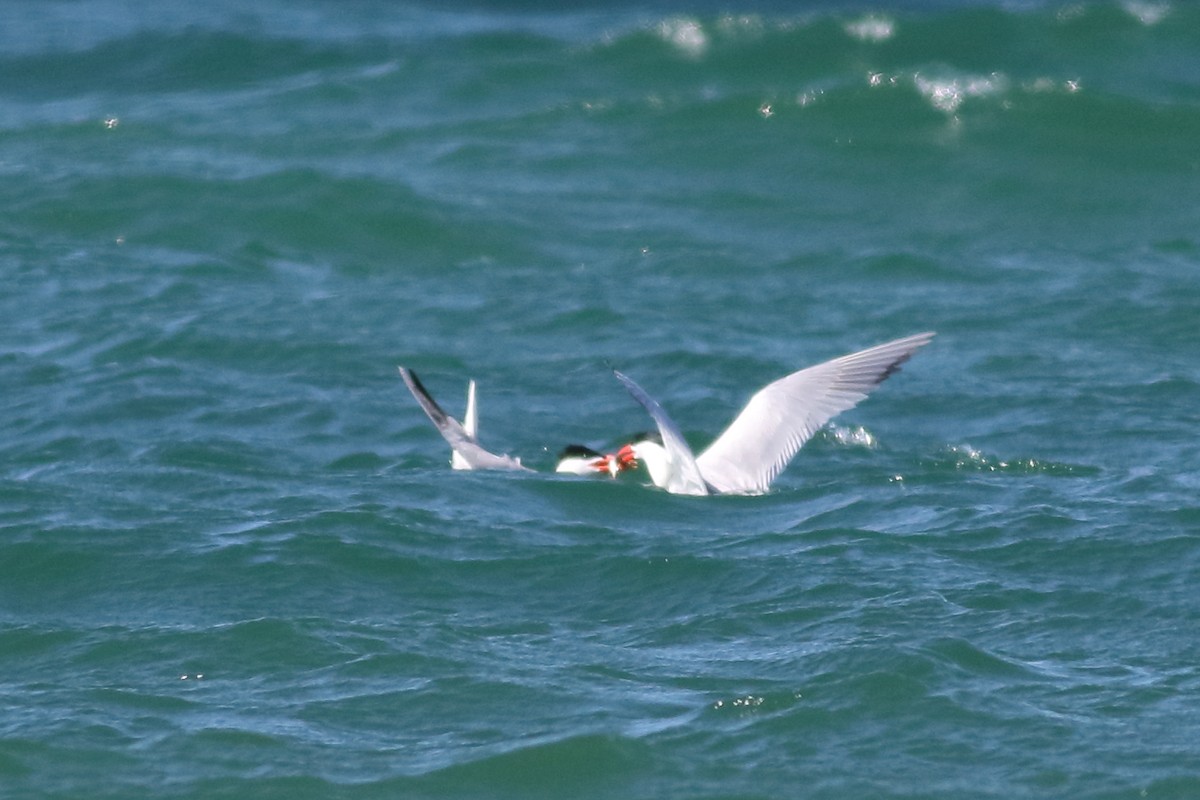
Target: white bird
<point x="466" y="453"/>
<point x="777" y="420"/>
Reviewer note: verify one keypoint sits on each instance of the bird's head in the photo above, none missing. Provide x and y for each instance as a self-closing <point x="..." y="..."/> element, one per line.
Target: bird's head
<point x="647" y="447"/>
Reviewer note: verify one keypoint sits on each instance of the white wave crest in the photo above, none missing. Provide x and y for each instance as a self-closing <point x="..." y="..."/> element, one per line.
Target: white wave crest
<point x="852" y="436"/>
<point x="685" y="34"/>
<point x="947" y="94"/>
<point x="871" y="28"/>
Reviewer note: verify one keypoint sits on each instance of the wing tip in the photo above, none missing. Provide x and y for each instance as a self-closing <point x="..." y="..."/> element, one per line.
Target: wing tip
<point x="412" y="380"/>
<point x="911" y="344"/>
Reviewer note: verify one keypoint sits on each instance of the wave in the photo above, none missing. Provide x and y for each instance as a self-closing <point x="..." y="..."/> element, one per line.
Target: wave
<point x="153" y="62"/>
<point x="248" y="215"/>
<point x="561" y="766"/>
<point x="950" y="55"/>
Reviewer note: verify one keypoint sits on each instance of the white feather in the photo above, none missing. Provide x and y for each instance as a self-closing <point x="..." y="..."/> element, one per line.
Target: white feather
<point x="671" y="464"/>
<point x="470" y="425"/>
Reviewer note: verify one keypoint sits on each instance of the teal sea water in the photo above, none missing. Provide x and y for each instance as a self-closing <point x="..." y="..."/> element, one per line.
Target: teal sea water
<point x="235" y="563"/>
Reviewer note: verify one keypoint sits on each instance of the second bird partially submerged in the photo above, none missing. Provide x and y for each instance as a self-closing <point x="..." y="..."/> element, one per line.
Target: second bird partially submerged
<point x="468" y="454"/>
<point x="745" y="459"/>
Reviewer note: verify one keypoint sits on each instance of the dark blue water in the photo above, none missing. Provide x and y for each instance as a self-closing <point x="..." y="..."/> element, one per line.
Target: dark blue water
<point x="234" y="561"/>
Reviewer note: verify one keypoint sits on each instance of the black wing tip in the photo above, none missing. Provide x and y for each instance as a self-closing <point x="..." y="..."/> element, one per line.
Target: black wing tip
<point x="422" y="394"/>
<point x="411" y="377"/>
<point x="892" y="368"/>
<point x="918" y="341"/>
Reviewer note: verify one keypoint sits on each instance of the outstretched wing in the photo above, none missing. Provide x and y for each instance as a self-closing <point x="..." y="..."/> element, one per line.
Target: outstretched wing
<point x="686" y="477"/>
<point x="785" y="414"/>
<point x="461" y="442"/>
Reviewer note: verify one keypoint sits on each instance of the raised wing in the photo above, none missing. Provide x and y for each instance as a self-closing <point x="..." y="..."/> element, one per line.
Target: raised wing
<point x="461" y="441"/>
<point x="785" y="414"/>
<point x="470" y="425"/>
<point x="685" y="476"/>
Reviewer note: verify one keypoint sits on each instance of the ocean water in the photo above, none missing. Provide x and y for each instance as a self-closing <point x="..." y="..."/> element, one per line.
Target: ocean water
<point x="234" y="561"/>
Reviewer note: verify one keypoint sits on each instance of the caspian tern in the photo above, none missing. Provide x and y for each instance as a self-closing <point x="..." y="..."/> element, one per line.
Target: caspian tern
<point x="766" y="434"/>
<point x="578" y="459"/>
<point x="468" y="454"/>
